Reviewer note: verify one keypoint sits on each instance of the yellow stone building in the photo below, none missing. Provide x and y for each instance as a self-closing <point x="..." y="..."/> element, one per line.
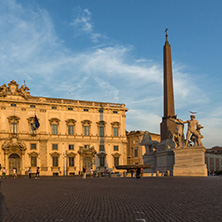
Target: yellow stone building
<point x="72" y="133"/>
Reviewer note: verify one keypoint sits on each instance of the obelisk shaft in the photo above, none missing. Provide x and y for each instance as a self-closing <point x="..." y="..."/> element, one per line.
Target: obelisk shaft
<point x="168" y="127"/>
<point x="168" y="82"/>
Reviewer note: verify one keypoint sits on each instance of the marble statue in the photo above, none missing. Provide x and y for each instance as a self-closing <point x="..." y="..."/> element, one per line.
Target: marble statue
<point x="3" y="90"/>
<point x="178" y="136"/>
<point x="149" y="144"/>
<point x="193" y="131"/>
<point x="23" y="91"/>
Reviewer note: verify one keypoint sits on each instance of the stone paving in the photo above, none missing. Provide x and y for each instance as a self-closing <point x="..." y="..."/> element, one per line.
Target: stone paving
<point x="60" y="199"/>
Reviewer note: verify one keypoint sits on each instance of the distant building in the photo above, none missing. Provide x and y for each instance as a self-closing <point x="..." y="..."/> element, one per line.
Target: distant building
<point x="213" y="159"/>
<point x="135" y="151"/>
<point x="72" y="133"/>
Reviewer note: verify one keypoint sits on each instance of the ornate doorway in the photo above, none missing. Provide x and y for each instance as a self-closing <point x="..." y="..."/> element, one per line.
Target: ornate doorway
<point x="87" y="163"/>
<point x="87" y="158"/>
<point x="14" y="162"/>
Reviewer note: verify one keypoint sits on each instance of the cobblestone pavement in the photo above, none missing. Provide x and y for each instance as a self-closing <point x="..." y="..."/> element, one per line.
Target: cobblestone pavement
<point x="60" y="199"/>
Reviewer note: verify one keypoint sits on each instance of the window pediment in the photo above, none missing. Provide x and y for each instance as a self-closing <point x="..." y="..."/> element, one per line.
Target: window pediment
<point x="101" y="154"/>
<point x="71" y="154"/>
<point x="116" y="154"/>
<point x="33" y="153"/>
<point x="54" y="121"/>
<point x="55" y="154"/>
<point x="70" y="122"/>
<point x="115" y="124"/>
<point x="101" y="123"/>
<point x="31" y="119"/>
<point x="86" y="122"/>
<point x="14" y="119"/>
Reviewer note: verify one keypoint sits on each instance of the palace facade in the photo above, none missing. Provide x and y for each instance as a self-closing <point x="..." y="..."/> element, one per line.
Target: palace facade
<point x="213" y="159"/>
<point x="72" y="133"/>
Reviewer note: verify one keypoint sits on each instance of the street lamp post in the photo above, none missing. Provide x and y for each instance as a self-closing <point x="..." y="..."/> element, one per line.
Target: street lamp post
<point x="64" y="172"/>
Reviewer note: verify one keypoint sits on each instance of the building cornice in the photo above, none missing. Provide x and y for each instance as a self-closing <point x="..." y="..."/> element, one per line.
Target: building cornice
<point x="12" y="93"/>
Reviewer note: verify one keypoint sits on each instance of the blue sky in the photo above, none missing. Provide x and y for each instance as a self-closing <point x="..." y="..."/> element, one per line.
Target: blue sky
<point x="111" y="51"/>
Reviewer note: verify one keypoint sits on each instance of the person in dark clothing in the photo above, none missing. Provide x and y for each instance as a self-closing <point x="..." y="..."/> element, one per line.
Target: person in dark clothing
<point x="37" y="173"/>
<point x="138" y="173"/>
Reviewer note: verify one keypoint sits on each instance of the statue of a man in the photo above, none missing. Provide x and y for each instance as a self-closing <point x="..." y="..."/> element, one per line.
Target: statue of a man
<point x="194" y="129"/>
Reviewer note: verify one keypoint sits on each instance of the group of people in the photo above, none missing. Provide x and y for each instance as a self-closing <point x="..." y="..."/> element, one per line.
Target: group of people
<point x="84" y="172"/>
<point x="94" y="173"/>
<point x="37" y="173"/>
<point x="15" y="175"/>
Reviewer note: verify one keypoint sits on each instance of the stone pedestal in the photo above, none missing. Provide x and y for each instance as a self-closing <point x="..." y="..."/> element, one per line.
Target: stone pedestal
<point x="190" y="162"/>
<point x="165" y="161"/>
<point x="150" y="159"/>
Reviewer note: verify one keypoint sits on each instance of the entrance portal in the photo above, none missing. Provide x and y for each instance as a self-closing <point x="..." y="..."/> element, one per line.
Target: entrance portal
<point x="14" y="162"/>
<point x="87" y="163"/>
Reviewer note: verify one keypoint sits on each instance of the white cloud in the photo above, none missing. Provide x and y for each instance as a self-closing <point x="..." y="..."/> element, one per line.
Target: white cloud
<point x="83" y="21"/>
<point x="82" y="24"/>
<point x="212" y="123"/>
<point x="108" y="89"/>
<point x="138" y="119"/>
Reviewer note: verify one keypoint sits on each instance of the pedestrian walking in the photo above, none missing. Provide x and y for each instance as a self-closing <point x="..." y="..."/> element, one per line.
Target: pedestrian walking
<point x="91" y="172"/>
<point x="138" y="173"/>
<point x="14" y="172"/>
<point x="84" y="172"/>
<point x="37" y="173"/>
<point x="30" y="172"/>
<point x="4" y="173"/>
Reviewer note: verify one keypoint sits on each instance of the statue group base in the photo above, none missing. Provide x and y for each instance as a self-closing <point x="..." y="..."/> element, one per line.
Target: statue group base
<point x="150" y="160"/>
<point x="161" y="162"/>
<point x="190" y="162"/>
<point x="165" y="161"/>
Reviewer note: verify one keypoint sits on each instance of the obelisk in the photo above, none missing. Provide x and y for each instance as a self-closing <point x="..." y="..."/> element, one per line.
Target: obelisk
<point x="167" y="126"/>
